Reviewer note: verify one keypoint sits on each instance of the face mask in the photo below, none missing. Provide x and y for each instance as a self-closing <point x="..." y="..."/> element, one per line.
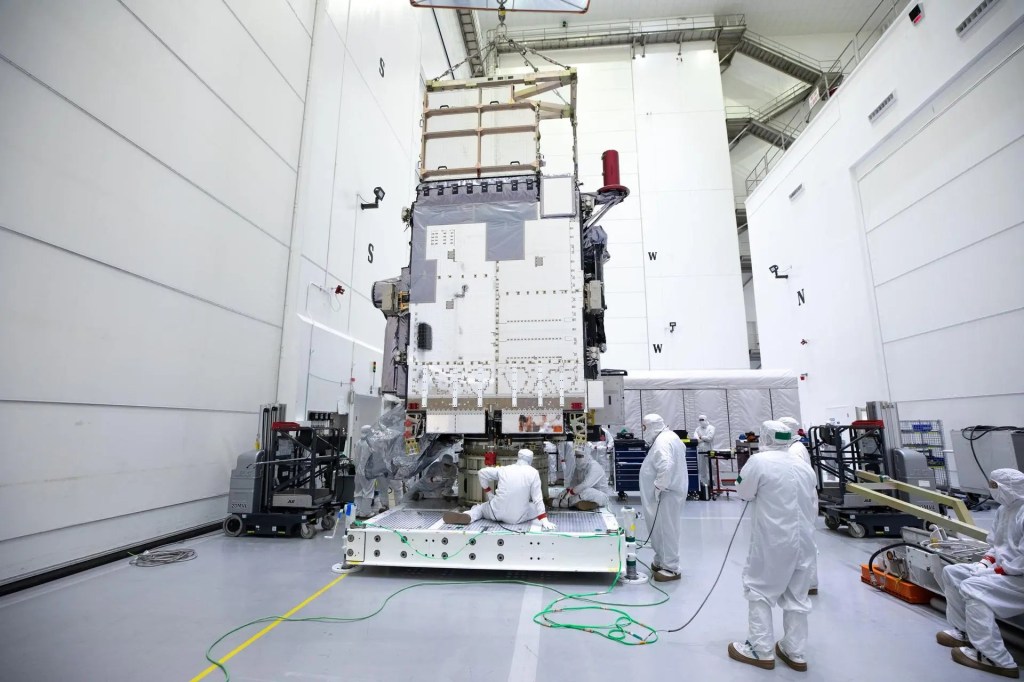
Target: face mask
<point x="649" y="435"/>
<point x="1000" y="495"/>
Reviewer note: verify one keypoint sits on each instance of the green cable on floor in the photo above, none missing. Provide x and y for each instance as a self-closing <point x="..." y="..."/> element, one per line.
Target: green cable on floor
<point x="617" y="632"/>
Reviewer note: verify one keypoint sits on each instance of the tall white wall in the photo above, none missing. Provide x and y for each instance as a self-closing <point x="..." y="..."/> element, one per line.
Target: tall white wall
<point x="907" y="234"/>
<point x="362" y="131"/>
<point x="152" y="156"/>
<point x="673" y="241"/>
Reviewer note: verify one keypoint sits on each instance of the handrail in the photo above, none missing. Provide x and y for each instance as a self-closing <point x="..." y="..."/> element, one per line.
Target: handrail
<point x="838" y="69"/>
<point x="807" y="61"/>
<point x="769" y="109"/>
<point x="740" y="111"/>
<point x="623" y="28"/>
<point x="783" y="100"/>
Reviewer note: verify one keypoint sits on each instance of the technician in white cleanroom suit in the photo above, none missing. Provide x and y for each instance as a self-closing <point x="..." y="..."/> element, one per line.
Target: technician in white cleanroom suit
<point x="518" y="498"/>
<point x="784" y="506"/>
<point x="977" y="593"/>
<point x="369" y="469"/>
<point x="663" y="485"/>
<point x="588" y="488"/>
<point x="705" y="435"/>
<point x="798" y="449"/>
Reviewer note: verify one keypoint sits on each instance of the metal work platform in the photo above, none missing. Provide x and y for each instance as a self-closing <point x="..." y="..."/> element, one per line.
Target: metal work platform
<point x="584" y="542"/>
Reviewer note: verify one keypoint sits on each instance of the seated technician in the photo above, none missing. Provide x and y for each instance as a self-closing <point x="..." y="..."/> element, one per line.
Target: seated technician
<point x="977" y="593"/>
<point x="518" y="497"/>
<point x="587" y="489"/>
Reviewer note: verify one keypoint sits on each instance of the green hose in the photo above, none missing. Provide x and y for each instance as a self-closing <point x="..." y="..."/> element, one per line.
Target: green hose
<point x="624" y="629"/>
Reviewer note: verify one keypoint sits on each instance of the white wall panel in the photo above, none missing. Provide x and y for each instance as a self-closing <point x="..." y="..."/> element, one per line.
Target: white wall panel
<point x="986" y="196"/>
<point x="666" y="82"/>
<point x="90" y="334"/>
<point x="605" y="122"/>
<point x="623" y="141"/>
<point x="324" y="395"/>
<point x="978" y="281"/>
<point x="155" y="151"/>
<point x="373" y="35"/>
<point x="127" y="210"/>
<point x="684" y="151"/>
<point x="611" y="98"/>
<point x="280" y="33"/>
<point x="666" y="238"/>
<point x="945" y="364"/>
<point x="701" y="307"/>
<point x="974" y="127"/>
<point x="625" y="330"/>
<point x="330" y="361"/>
<point x="68" y="543"/>
<point x="625" y="280"/>
<point x="369" y="156"/>
<point x="214" y="43"/>
<point x="626" y="356"/>
<point x="623" y="231"/>
<point x="308" y="308"/>
<point x="626" y="255"/>
<point x="626" y="304"/>
<point x="967" y="411"/>
<point x="367" y="324"/>
<point x="80" y="49"/>
<point x="320" y="154"/>
<point x="693" y="232"/>
<point x="84" y="461"/>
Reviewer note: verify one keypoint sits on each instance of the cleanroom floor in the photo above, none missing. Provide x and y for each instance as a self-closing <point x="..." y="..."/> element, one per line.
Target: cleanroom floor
<point x="120" y="622"/>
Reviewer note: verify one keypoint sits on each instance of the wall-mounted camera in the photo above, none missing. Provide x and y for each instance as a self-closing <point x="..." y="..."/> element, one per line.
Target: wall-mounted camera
<point x="774" y="269"/>
<point x="378" y="196"/>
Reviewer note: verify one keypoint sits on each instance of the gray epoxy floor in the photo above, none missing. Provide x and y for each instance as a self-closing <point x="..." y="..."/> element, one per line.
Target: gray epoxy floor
<point x="124" y="623"/>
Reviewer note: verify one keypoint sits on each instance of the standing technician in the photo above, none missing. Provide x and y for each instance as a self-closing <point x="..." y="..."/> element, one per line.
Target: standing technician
<point x="705" y="434"/>
<point x="663" y="485"/>
<point x="798" y="449"/>
<point x="784" y="504"/>
<point x="370" y="469"/>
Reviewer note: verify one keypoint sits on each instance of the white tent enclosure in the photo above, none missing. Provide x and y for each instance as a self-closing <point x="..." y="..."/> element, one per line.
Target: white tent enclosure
<point x="735" y="401"/>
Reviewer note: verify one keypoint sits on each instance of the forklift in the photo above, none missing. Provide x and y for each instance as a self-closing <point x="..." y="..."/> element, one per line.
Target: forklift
<point x="297" y="481"/>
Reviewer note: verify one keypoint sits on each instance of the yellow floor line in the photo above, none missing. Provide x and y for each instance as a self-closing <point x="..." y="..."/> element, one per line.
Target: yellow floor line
<point x="241" y="647"/>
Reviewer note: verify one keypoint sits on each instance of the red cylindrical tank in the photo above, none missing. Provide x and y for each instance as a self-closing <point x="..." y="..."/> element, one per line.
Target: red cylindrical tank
<point x="490" y="459"/>
<point x="610" y="160"/>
